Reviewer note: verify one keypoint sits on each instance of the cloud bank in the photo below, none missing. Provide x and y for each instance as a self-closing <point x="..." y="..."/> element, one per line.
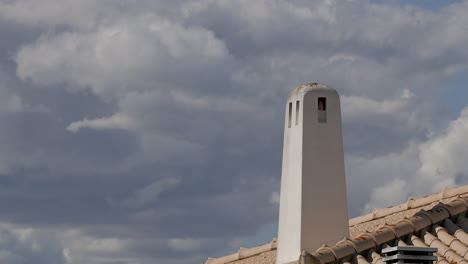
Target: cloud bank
<point x="151" y="131"/>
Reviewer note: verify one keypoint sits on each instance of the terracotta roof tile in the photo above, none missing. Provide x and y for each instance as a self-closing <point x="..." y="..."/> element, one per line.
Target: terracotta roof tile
<point x="436" y="220"/>
<point x="462" y="222"/>
<point x="376" y="258"/>
<point x="360" y="259"/>
<point x="267" y="257"/>
<point x="456" y="231"/>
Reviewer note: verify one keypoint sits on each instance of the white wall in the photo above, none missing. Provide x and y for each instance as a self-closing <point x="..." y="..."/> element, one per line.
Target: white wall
<point x="313" y="204"/>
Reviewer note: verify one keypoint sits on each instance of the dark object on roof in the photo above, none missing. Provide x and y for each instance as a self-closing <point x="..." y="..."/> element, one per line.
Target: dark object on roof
<point x="399" y="254"/>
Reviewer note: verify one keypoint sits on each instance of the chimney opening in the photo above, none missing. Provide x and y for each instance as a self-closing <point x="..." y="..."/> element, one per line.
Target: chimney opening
<point x="322" y="109"/>
<point x="290" y="114"/>
<point x="322" y="103"/>
<point x="297" y="112"/>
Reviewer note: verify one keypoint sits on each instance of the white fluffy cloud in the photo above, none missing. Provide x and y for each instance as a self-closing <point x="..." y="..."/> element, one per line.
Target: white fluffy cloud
<point x="422" y="168"/>
<point x="116" y="59"/>
<point x="154" y="112"/>
<point x="442" y="156"/>
<point x="116" y="121"/>
<point x="392" y="192"/>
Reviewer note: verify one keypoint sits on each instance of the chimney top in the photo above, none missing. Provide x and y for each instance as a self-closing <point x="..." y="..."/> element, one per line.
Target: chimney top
<point x="306" y="88"/>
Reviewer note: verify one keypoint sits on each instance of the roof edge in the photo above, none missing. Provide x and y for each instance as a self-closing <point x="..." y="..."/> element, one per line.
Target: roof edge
<point x="310" y="87"/>
<point x="244" y="253"/>
<point x="411" y="203"/>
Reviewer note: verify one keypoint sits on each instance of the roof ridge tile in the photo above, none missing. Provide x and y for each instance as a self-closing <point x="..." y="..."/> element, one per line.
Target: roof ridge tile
<point x="411" y="203"/>
<point x="403" y="227"/>
<point x="363" y="242"/>
<point x="390" y="227"/>
<point x="307" y="258"/>
<point x="454" y="207"/>
<point x="382" y="236"/>
<point x="323" y="256"/>
<point x="244" y="253"/>
<point x="339" y="250"/>
<point x="436" y="214"/>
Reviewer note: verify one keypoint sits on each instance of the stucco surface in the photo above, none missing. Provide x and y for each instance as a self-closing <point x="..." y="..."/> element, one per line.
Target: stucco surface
<point x="313" y="164"/>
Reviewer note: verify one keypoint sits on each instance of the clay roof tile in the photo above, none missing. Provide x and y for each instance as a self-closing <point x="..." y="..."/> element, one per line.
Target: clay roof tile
<point x="410" y="223"/>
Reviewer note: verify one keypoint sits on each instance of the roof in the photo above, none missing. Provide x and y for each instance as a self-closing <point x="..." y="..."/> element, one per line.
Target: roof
<point x="438" y="221"/>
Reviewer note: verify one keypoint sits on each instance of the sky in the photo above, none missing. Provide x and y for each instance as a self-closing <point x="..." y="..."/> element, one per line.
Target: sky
<point x="150" y="131"/>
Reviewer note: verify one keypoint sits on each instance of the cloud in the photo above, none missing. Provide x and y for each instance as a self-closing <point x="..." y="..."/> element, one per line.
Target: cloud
<point x="437" y="162"/>
<point x="9" y="102"/>
<point x="275" y="198"/>
<point x="81" y="14"/>
<point x="184" y="244"/>
<point x="442" y="156"/>
<point x="150" y="193"/>
<point x="116" y="59"/>
<point x="123" y="121"/>
<point x="393" y="193"/>
<point x="113" y="122"/>
<point x="28" y="245"/>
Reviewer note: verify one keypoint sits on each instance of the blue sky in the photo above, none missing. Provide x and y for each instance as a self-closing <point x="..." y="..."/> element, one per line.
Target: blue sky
<point x="454" y="98"/>
<point x="151" y="131"/>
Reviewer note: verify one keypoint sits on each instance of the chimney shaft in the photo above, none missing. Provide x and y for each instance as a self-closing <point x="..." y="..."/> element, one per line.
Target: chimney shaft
<point x="313" y="204"/>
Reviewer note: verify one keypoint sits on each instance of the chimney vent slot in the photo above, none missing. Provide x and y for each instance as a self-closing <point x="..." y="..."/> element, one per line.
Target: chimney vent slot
<point x="322" y="109"/>
<point x="297" y="112"/>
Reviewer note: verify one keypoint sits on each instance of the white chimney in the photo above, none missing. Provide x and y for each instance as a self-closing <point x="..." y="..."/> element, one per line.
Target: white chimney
<point x="313" y="205"/>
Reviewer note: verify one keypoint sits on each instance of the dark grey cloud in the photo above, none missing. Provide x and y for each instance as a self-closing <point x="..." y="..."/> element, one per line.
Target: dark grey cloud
<point x="151" y="132"/>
